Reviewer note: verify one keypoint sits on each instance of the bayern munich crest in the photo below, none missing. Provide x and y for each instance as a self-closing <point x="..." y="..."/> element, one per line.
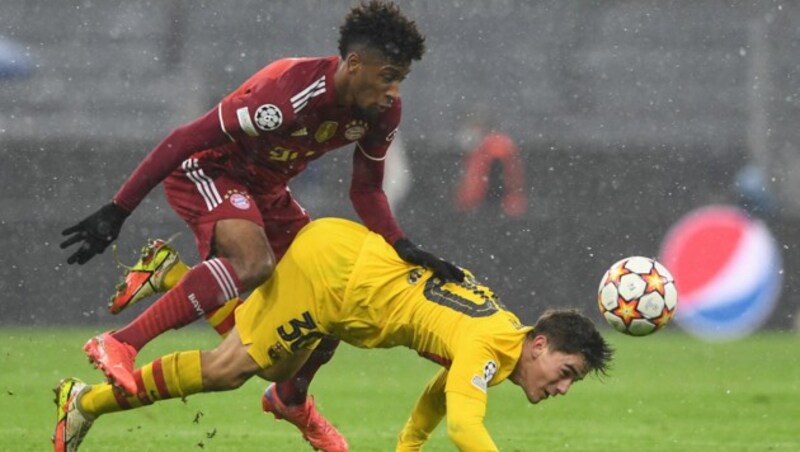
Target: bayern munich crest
<point x="355" y="130"/>
<point x="268" y="117"/>
<point x="240" y="201"/>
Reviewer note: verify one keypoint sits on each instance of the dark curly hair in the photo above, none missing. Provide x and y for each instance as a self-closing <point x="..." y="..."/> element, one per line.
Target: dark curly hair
<point x="571" y="332"/>
<point x="380" y="26"/>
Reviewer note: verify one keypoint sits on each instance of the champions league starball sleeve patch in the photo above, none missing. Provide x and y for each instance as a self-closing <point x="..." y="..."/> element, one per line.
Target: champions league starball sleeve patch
<point x="482" y="382"/>
<point x="268" y="117"/>
<point x="489" y="370"/>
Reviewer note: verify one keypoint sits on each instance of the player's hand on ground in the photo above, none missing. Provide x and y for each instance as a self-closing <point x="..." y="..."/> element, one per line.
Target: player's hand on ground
<point x="441" y="268"/>
<point x="94" y="233"/>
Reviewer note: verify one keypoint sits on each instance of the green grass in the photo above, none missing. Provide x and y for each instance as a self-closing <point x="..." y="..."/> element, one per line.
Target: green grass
<point x="666" y="392"/>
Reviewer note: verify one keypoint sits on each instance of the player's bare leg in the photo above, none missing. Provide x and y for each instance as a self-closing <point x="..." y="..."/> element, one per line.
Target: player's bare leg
<point x="244" y="261"/>
<point x="230" y="365"/>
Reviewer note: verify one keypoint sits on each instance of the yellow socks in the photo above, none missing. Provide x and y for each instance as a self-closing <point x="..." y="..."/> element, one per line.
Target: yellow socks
<point x="174" y="274"/>
<point x="174" y="375"/>
<point x="223" y="318"/>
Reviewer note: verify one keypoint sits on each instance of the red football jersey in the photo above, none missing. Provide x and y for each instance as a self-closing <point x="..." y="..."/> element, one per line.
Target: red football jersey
<point x="285" y="116"/>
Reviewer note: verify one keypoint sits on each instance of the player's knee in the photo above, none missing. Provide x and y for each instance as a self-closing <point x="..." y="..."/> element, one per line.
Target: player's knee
<point x="248" y="250"/>
<point x="254" y="270"/>
<point x="264" y="268"/>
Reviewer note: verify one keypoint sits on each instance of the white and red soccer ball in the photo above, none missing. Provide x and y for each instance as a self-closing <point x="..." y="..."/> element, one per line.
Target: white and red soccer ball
<point x="637" y="296"/>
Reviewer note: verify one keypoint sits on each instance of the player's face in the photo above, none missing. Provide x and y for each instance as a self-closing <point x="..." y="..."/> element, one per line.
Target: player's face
<point x="544" y="373"/>
<point x="374" y="82"/>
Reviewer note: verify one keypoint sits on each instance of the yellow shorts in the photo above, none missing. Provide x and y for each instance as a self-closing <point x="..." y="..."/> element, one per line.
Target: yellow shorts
<point x="292" y="309"/>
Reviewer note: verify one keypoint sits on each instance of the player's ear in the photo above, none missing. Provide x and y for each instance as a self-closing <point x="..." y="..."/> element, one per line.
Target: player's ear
<point x="538" y="345"/>
<point x="353" y="62"/>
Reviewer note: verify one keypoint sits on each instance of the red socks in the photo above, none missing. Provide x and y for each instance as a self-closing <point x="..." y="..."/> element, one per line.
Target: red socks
<point x="203" y="289"/>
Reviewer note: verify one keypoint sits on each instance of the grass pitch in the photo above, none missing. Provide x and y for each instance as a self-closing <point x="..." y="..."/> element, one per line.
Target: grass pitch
<point x="665" y="392"/>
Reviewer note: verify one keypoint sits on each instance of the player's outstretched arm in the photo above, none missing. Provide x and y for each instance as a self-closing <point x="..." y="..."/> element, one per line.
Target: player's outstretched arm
<point x="369" y="201"/>
<point x="428" y="412"/>
<point x="98" y="230"/>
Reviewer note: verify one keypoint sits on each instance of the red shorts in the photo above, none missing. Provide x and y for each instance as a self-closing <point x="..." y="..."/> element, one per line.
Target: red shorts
<point x="202" y="201"/>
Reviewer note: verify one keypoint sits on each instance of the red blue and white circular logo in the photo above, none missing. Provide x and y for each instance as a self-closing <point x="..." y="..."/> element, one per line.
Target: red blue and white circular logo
<point x="240" y="201"/>
<point x="728" y="270"/>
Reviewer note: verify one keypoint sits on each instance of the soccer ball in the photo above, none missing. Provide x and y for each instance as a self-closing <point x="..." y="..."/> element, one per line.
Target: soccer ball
<point x="637" y="296"/>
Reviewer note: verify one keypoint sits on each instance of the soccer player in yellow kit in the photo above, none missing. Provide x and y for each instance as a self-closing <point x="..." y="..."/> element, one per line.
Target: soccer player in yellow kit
<point x="339" y="279"/>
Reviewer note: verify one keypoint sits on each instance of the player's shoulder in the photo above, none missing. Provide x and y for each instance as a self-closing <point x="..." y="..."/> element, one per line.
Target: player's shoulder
<point x="300" y="72"/>
<point x="289" y="84"/>
<point x="498" y="326"/>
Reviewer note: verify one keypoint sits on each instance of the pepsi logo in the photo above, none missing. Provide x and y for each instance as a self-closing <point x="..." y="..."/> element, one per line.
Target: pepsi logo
<point x="728" y="269"/>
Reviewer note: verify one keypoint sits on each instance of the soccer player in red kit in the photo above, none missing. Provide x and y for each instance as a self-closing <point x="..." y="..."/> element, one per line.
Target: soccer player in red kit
<point x="226" y="175"/>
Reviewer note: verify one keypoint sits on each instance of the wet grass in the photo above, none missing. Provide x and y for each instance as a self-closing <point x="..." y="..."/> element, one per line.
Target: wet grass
<point x="666" y="392"/>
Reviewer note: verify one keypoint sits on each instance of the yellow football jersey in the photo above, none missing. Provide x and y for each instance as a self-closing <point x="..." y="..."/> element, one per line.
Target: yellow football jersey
<point x="340" y="279"/>
<point x="354" y="286"/>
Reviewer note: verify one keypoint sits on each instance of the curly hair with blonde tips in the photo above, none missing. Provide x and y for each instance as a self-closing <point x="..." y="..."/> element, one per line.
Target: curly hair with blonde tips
<point x="381" y="26"/>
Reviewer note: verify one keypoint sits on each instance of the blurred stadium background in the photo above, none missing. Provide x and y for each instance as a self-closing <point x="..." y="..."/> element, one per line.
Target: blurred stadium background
<point x="628" y="115"/>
